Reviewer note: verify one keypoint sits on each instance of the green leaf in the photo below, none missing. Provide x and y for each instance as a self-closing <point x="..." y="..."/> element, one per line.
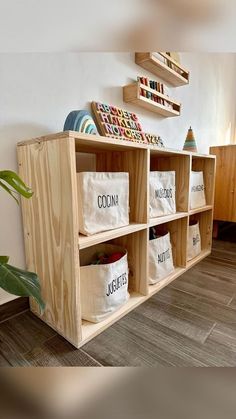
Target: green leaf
<point x="12" y="179"/>
<point x="22" y="283"/>
<point x="4" y="260"/>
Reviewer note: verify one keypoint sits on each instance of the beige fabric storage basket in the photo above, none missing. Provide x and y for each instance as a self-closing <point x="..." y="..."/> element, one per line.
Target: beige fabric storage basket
<point x="103" y="288"/>
<point x="160" y="258"/>
<point x="197" y="190"/>
<point x="161" y="193"/>
<point x="103" y="200"/>
<point x="194" y="241"/>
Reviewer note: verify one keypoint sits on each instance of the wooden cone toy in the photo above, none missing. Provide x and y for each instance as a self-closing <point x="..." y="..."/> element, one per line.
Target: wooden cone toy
<point x="190" y="143"/>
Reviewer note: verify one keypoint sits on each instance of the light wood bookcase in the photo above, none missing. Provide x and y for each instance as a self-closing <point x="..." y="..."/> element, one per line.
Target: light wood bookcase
<point x="50" y="219"/>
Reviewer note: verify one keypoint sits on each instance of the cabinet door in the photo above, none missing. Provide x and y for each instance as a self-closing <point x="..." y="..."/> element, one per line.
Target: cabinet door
<point x="225" y="190"/>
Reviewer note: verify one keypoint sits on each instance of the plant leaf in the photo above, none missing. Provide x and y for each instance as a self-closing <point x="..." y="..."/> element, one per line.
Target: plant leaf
<point x="22" y="283"/>
<point x="4" y="260"/>
<point x="12" y="179"/>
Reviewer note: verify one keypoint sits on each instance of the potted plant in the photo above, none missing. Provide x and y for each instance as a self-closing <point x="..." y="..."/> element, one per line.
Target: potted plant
<point x="14" y="280"/>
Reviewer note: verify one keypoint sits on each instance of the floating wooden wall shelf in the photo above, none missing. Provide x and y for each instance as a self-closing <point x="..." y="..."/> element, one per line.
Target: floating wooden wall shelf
<point x="53" y="245"/>
<point x="131" y="94"/>
<point x="150" y="62"/>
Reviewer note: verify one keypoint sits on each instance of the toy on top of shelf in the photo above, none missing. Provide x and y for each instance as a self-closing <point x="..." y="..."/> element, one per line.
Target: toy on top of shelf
<point x="153" y="139"/>
<point x="81" y="121"/>
<point x="190" y="143"/>
<point x="115" y="122"/>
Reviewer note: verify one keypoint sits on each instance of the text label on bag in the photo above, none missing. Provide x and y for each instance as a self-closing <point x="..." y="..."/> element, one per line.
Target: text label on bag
<point x="162" y="257"/>
<point x="116" y="284"/>
<point x="107" y="201"/>
<point x="197" y="188"/>
<point x="196" y="240"/>
<point x="163" y="193"/>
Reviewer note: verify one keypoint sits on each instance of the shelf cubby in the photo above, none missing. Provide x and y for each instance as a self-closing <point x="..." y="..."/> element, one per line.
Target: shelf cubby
<point x="207" y="166"/>
<point x="53" y="245"/>
<point x="155" y="64"/>
<point x="132" y="94"/>
<point x="178" y="236"/>
<point x="205" y="219"/>
<point x="124" y="161"/>
<point x="160" y="160"/>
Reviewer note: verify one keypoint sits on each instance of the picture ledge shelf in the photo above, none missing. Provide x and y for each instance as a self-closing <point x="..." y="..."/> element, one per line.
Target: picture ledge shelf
<point x="131" y="94"/>
<point x="149" y="61"/>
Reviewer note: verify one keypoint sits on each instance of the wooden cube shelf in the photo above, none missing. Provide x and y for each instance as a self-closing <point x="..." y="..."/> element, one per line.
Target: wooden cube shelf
<point x="131" y="94"/>
<point x="50" y="219"/>
<point x="151" y="62"/>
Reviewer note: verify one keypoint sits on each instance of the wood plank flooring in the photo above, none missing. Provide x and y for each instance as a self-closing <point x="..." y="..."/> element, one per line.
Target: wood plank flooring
<point x="192" y="322"/>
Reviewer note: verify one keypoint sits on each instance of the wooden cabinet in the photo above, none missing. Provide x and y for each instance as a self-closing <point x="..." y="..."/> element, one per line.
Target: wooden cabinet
<point x="53" y="244"/>
<point x="225" y="186"/>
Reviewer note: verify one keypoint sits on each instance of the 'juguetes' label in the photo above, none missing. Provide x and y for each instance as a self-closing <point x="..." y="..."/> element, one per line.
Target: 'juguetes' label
<point x="116" y="284"/>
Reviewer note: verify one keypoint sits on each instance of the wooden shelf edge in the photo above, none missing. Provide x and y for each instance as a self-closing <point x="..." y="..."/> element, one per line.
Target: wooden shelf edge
<point x="153" y="289"/>
<point x="200" y="209"/>
<point x="166" y="218"/>
<point x="87" y="241"/>
<point x="81" y="138"/>
<point x="90" y="330"/>
<point x="153" y="107"/>
<point x="204" y="253"/>
<point x="170" y="112"/>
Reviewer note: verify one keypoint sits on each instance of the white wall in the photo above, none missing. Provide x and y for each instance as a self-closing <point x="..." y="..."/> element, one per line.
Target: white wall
<point x="37" y="91"/>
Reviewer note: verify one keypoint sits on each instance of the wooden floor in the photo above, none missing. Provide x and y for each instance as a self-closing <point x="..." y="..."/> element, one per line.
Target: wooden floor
<point x="192" y="322"/>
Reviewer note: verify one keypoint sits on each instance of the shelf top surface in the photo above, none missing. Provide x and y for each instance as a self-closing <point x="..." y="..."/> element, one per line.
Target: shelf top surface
<point x="90" y="140"/>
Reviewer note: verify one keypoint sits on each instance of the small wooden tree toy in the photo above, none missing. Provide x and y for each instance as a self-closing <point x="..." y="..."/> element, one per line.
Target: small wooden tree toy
<point x="190" y="143"/>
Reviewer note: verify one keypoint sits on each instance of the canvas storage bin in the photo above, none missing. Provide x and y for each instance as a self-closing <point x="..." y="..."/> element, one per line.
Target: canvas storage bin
<point x="194" y="241"/>
<point x="197" y="188"/>
<point x="162" y="193"/>
<point x="103" y="200"/>
<point x="103" y="288"/>
<point x="160" y="258"/>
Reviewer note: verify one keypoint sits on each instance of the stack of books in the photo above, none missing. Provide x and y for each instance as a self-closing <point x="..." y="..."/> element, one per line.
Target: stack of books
<point x="154" y="85"/>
